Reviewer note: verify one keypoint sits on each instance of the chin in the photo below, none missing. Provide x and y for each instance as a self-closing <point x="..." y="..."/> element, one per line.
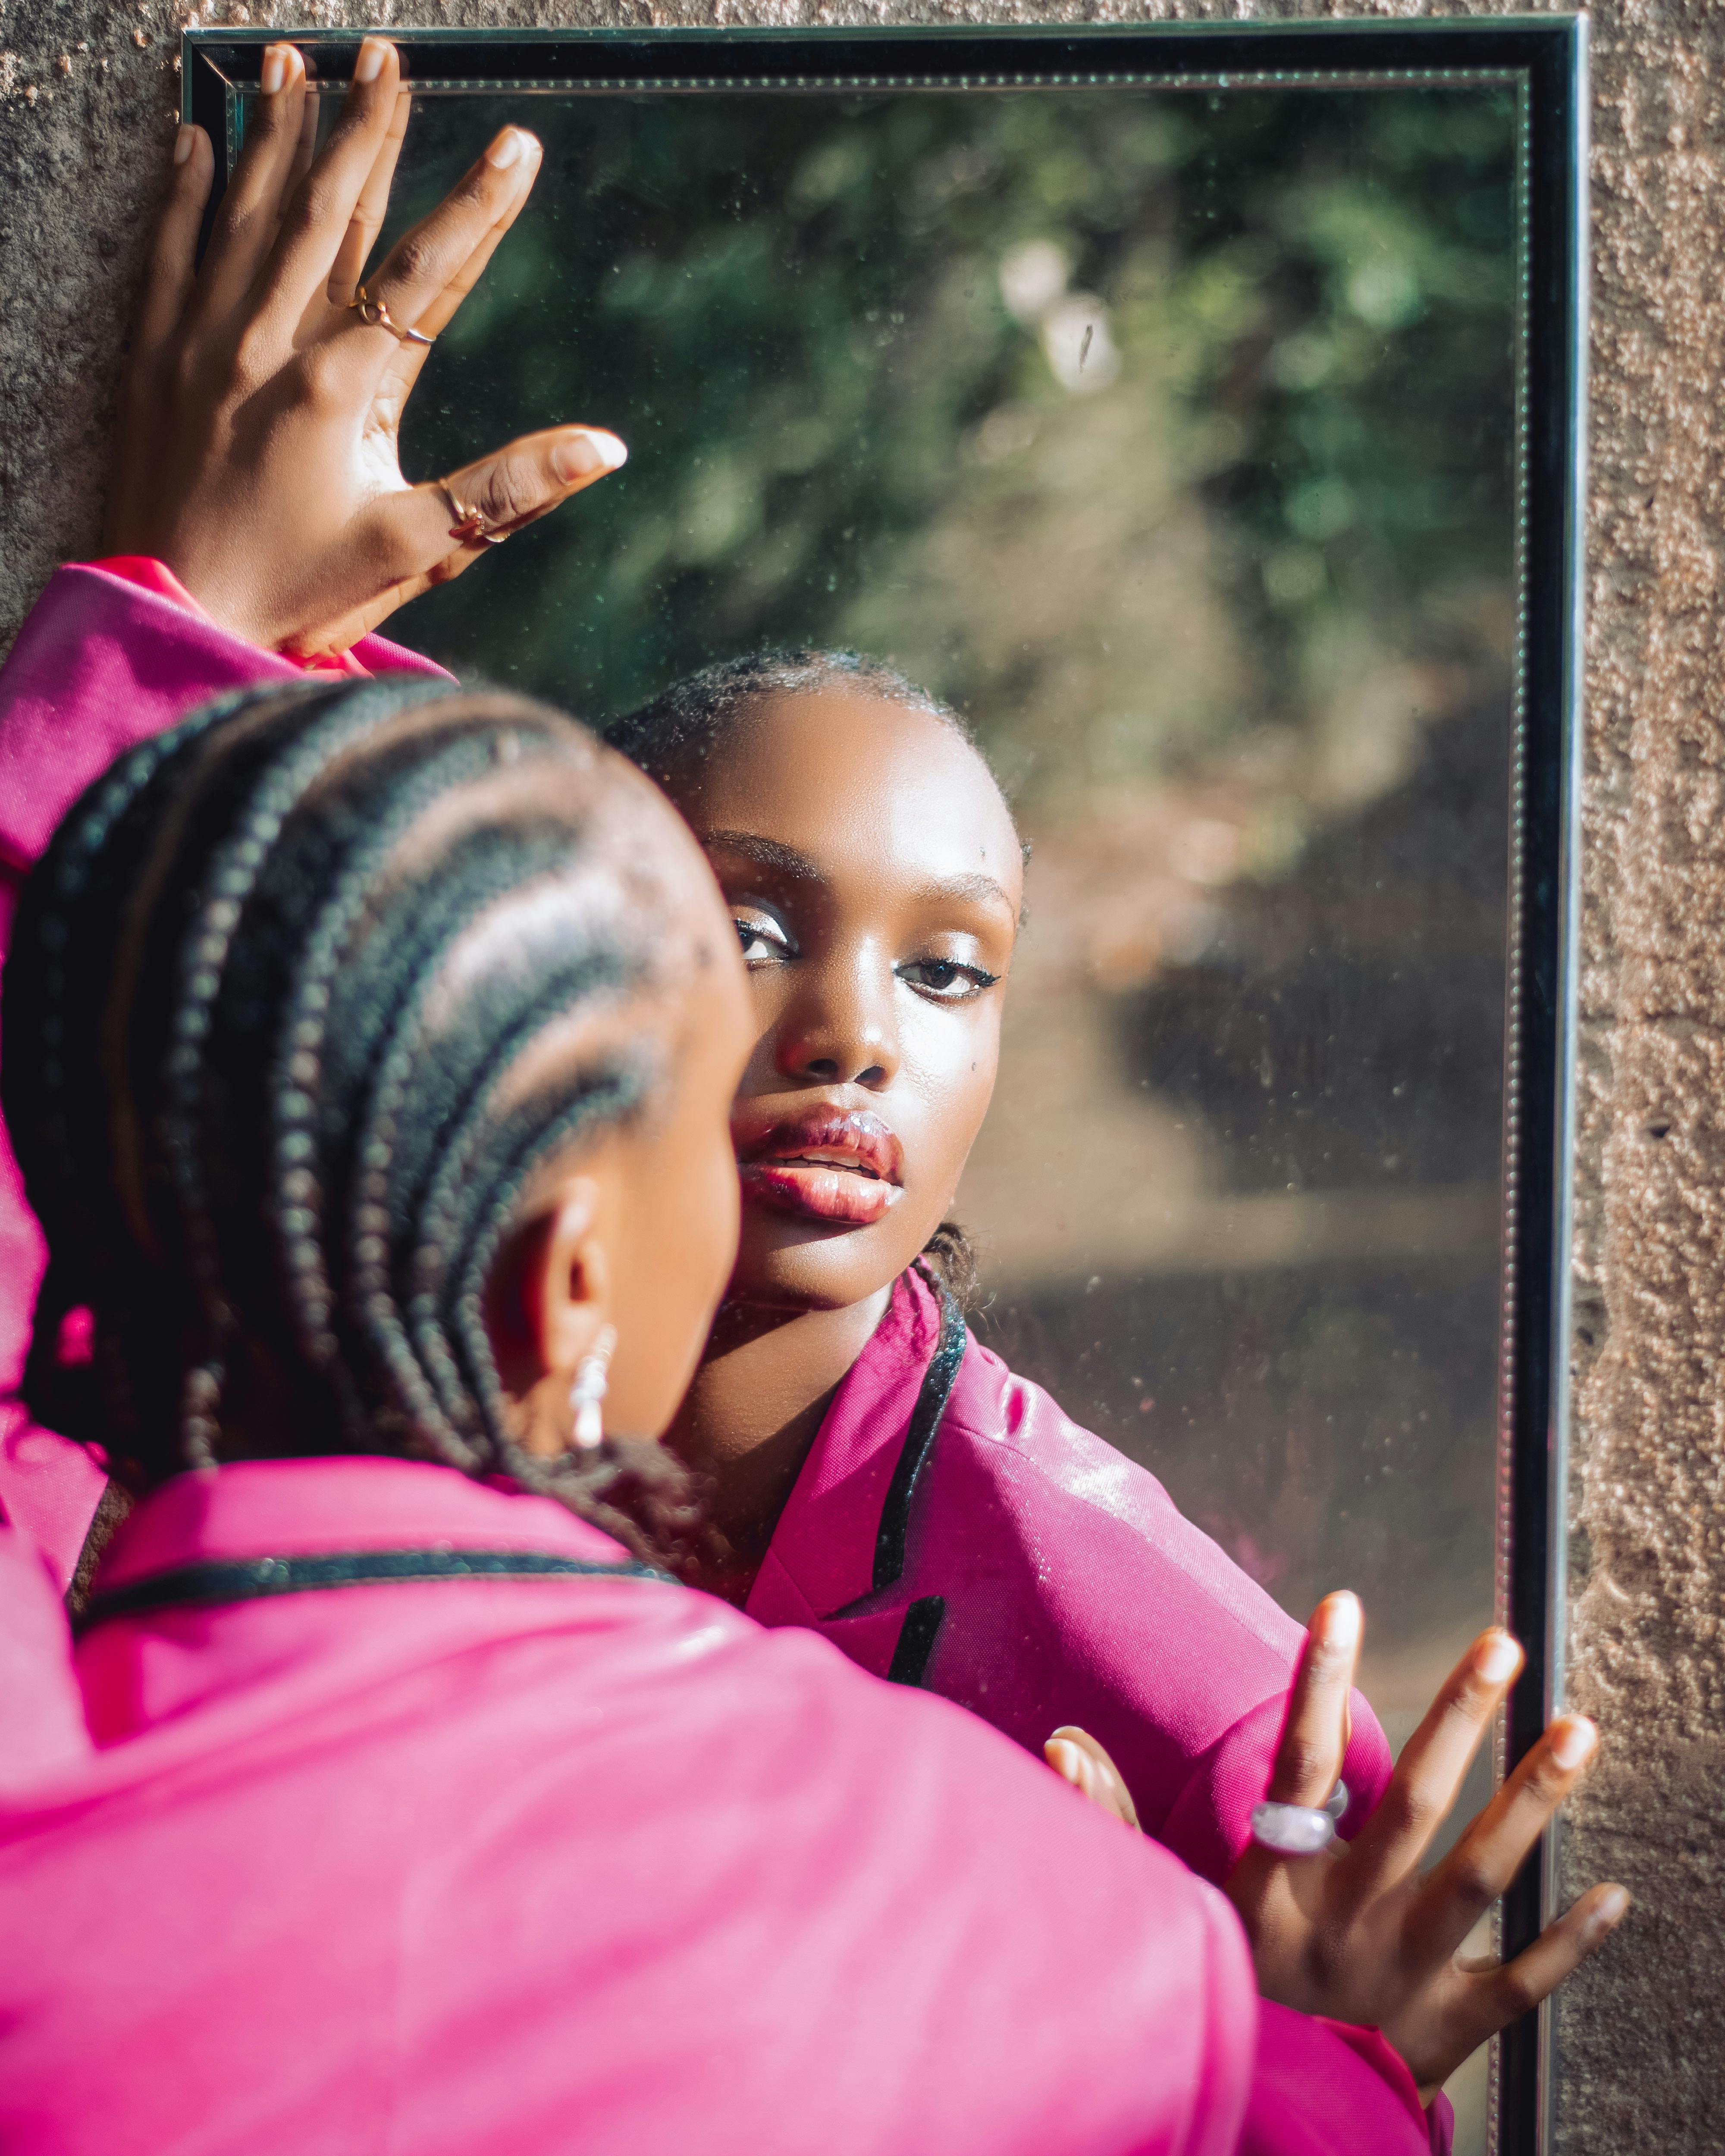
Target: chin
<point x="782" y="1265"/>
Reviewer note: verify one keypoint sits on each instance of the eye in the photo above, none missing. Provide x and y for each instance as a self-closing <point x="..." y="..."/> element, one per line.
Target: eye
<point x="946" y="980"/>
<point x="764" y="943"/>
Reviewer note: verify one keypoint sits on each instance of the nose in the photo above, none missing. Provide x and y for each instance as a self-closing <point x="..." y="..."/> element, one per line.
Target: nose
<point x="841" y="1028"/>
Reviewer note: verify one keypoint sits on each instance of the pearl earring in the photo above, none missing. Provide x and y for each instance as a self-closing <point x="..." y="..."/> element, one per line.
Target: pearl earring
<point x="588" y="1393"/>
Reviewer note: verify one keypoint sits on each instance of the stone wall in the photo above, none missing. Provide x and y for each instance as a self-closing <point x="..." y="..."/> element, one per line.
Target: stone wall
<point x="88" y="97"/>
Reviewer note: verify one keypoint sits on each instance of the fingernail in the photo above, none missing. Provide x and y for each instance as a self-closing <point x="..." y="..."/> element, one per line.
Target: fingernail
<point x="507" y="149"/>
<point x="1571" y="1739"/>
<point x="184" y="144"/>
<point x="373" y="54"/>
<point x="1496" y="1660"/>
<point x="273" y="72"/>
<point x="1608" y="1910"/>
<point x="582" y="455"/>
<point x="1064" y="1760"/>
<point x="1342" y="1616"/>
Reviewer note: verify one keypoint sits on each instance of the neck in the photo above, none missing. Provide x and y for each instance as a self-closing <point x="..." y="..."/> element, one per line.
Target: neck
<point x="753" y="1411"/>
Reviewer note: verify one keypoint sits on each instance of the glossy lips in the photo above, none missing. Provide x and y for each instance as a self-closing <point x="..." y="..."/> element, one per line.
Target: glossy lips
<point x="830" y="1164"/>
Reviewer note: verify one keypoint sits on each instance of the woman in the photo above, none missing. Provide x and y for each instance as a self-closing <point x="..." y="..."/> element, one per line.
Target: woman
<point x="371" y="1054"/>
<point x="877" y="1473"/>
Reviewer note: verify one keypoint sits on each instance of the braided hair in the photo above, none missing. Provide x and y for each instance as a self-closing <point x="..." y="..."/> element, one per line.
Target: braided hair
<point x="688" y="722"/>
<point x="267" y="1010"/>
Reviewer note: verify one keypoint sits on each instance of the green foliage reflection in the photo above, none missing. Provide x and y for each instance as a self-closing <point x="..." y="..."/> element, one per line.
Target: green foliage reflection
<point x="1141" y="422"/>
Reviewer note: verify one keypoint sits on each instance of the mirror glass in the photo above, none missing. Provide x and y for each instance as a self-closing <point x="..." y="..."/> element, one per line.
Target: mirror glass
<point x="1170" y="434"/>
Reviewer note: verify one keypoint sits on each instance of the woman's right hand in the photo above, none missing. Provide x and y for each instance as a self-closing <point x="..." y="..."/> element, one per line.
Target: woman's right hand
<point x="1358" y="1932"/>
<point x="258" y="443"/>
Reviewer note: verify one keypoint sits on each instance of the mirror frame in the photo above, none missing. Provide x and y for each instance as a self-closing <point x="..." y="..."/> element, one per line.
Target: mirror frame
<point x="1544" y="57"/>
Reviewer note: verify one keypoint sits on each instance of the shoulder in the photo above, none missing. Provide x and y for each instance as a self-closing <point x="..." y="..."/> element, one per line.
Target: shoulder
<point x="816" y="1819"/>
<point x="41" y="1709"/>
<point x="100" y="664"/>
<point x="996" y="1406"/>
<point x="1059" y="1482"/>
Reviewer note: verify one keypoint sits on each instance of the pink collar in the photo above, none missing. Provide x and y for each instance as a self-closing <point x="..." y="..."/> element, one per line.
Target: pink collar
<point x="825" y="1541"/>
<point x="254" y="1658"/>
<point x="150" y="575"/>
<point x="284" y="1508"/>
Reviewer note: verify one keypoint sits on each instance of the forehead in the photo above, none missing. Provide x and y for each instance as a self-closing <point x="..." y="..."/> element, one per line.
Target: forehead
<point x="849" y="779"/>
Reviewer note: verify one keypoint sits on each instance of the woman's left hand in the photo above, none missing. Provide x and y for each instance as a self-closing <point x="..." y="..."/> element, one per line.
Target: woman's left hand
<point x="1076" y="1758"/>
<point x="257" y="454"/>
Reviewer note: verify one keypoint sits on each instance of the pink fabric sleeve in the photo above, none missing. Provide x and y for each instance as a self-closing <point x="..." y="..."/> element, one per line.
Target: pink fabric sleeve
<point x="104" y="661"/>
<point x="41" y="1709"/>
<point x="1320" y="2088"/>
<point x="1209" y="1823"/>
<point x="150" y="575"/>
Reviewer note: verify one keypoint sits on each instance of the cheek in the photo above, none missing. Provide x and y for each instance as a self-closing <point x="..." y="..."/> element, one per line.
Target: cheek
<point x="769" y="997"/>
<point x="705" y="1206"/>
<point x="724" y="1215"/>
<point x="949" y="1071"/>
<point x="695" y="1203"/>
<point x="766" y="987"/>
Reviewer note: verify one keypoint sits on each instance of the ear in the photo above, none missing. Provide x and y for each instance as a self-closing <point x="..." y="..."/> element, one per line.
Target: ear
<point x="567" y="1285"/>
<point x="550" y="1296"/>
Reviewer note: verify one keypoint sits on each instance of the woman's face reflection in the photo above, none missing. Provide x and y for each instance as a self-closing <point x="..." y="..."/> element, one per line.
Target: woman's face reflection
<point x="875" y="879"/>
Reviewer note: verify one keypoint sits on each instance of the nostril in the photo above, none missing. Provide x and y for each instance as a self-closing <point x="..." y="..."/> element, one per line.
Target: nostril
<point x="823" y="1070"/>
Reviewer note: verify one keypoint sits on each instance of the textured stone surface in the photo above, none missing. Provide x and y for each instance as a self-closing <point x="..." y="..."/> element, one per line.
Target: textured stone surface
<point x="87" y="91"/>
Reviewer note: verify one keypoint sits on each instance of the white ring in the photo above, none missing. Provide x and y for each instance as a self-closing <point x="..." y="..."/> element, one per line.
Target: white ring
<point x="1292" y="1829"/>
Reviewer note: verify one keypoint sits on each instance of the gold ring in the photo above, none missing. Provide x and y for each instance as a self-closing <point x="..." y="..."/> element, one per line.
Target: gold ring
<point x="469" y="526"/>
<point x="377" y="316"/>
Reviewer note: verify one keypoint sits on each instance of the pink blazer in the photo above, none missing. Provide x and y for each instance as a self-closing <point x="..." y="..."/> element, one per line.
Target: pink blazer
<point x="511" y="1848"/>
<point x="102" y="663"/>
<point x="952" y="1528"/>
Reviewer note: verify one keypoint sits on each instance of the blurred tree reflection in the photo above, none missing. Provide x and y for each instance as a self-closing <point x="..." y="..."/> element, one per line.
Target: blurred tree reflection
<point x="1138" y="423"/>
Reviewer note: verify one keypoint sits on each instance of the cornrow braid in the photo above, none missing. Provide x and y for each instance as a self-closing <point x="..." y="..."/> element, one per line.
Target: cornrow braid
<point x="295" y="1191"/>
<point x="688" y="723"/>
<point x="396" y="1135"/>
<point x="68" y="916"/>
<point x="269" y="995"/>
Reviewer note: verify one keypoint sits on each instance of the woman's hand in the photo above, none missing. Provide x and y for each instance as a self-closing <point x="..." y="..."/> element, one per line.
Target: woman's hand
<point x="258" y="446"/>
<point x="1076" y="1758"/>
<point x="1358" y="1932"/>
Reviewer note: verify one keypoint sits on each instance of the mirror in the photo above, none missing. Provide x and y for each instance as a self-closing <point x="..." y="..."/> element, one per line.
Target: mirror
<point x="1195" y="411"/>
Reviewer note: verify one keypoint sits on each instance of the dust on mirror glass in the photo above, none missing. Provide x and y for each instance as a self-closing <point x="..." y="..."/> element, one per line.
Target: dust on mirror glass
<point x="1169" y="435"/>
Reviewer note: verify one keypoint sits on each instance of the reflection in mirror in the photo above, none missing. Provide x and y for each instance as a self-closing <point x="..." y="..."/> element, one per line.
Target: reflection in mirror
<point x="1170" y="435"/>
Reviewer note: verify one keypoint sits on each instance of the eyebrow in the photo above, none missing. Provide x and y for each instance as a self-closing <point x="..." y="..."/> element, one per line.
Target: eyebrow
<point x="786" y="860"/>
<point x="983" y="887"/>
<point x="764" y="853"/>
